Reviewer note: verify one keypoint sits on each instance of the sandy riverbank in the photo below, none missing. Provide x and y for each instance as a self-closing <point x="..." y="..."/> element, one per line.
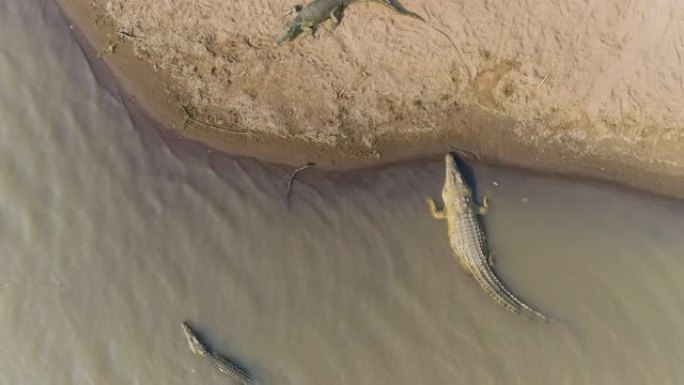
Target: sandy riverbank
<point x="591" y="89"/>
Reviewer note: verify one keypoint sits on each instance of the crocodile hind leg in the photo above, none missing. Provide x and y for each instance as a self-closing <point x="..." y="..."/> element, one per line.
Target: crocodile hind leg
<point x="484" y="209"/>
<point x="434" y="211"/>
<point x="335" y="16"/>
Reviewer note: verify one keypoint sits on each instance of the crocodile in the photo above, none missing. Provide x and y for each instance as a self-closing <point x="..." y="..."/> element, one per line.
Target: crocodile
<point x="307" y="18"/>
<point x="220" y="362"/>
<point x="468" y="241"/>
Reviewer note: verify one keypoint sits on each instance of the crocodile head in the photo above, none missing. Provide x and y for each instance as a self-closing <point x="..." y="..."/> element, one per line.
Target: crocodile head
<point x="291" y="31"/>
<point x="456" y="192"/>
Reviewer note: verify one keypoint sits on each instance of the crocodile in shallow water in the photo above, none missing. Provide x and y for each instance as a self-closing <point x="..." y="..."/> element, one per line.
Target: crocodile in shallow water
<point x="468" y="241"/>
<point x="221" y="362"/>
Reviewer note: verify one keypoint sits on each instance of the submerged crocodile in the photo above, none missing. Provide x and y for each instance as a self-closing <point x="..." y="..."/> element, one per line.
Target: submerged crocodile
<point x="468" y="241"/>
<point x="317" y="11"/>
<point x="222" y="363"/>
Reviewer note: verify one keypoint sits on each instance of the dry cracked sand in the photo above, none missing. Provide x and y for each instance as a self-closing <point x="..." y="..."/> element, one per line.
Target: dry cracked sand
<point x="593" y="87"/>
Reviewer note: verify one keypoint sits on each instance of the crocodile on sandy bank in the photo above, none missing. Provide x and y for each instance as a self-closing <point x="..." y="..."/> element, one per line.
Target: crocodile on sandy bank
<point x="317" y="11"/>
<point x="468" y="241"/>
<point x="222" y="363"/>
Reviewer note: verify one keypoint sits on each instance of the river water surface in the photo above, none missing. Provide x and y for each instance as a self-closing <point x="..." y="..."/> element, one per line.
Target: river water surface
<point x="112" y="233"/>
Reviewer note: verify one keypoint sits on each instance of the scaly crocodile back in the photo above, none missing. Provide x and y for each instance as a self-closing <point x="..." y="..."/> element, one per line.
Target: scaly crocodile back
<point x="318" y="10"/>
<point x="468" y="243"/>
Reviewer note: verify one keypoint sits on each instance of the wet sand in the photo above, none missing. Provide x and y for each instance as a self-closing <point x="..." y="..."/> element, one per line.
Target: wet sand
<point x="614" y="117"/>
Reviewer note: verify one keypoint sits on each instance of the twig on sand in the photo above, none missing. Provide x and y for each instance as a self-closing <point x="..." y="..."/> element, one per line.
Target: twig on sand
<point x="292" y="178"/>
<point x="542" y="81"/>
<point x="127" y="34"/>
<point x="188" y="118"/>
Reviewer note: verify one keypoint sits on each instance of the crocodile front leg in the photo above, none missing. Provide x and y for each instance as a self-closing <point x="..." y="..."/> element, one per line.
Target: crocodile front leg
<point x="484" y="209"/>
<point x="308" y="28"/>
<point x="434" y="211"/>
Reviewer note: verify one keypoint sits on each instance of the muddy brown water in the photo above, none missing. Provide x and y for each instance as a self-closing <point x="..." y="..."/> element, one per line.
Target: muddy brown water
<point x="112" y="234"/>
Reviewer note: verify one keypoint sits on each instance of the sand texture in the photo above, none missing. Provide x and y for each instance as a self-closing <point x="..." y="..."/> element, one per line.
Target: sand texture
<point x="588" y="87"/>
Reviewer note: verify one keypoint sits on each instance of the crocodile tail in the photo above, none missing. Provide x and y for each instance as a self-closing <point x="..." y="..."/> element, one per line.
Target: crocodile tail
<point x="493" y="286"/>
<point x="400" y="8"/>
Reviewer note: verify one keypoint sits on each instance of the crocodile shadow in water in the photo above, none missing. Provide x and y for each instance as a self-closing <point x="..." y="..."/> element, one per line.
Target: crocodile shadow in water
<point x="466" y="172"/>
